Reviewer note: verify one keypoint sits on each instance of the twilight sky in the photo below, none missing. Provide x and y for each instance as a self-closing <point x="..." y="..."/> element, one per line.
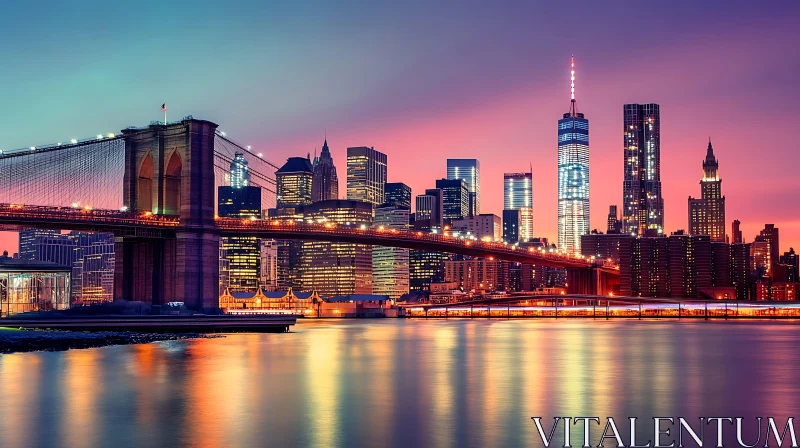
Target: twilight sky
<point x="423" y="82"/>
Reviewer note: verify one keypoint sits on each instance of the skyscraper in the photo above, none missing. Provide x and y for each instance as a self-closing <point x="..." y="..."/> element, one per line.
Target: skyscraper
<point x="613" y="224"/>
<point x="455" y="199"/>
<point x="511" y="225"/>
<point x="366" y="175"/>
<point x="518" y="195"/>
<point x="397" y="193"/>
<point x="770" y="235"/>
<point x="573" y="176"/>
<point x="390" y="265"/>
<point x="707" y="214"/>
<point x="468" y="170"/>
<point x="241" y="200"/>
<point x="736" y="232"/>
<point x="325" y="183"/>
<point x="429" y="209"/>
<point x="642" y="204"/>
<point x="337" y="269"/>
<point x="294" y="182"/>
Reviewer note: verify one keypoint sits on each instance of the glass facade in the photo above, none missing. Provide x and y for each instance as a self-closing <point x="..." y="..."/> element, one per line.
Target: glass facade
<point x="468" y="170"/>
<point x="293" y="182"/>
<point x="573" y="181"/>
<point x="336" y="269"/>
<point x="397" y="193"/>
<point x="366" y="175"/>
<point x="518" y="195"/>
<point x="429" y="209"/>
<point x="455" y="199"/>
<point x="390" y="270"/>
<point x="29" y="285"/>
<point x="643" y="206"/>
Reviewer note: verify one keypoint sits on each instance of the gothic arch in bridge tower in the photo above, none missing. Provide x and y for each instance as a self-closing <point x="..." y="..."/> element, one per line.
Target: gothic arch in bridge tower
<point x="144" y="184"/>
<point x="172" y="185"/>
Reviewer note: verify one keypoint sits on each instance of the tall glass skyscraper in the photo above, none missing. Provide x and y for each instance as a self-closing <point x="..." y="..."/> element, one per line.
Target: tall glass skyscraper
<point x="366" y="175"/>
<point x="642" y="204"/>
<point x="468" y="170"/>
<point x="518" y="195"/>
<point x="573" y="176"/>
<point x="390" y="265"/>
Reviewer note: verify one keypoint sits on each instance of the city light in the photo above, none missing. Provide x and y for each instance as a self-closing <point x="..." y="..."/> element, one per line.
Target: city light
<point x="73" y="141"/>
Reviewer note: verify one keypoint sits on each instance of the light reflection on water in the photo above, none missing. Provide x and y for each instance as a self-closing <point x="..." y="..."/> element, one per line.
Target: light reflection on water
<point x="397" y="383"/>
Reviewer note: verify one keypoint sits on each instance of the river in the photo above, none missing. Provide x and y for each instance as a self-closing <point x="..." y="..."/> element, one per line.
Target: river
<point x="395" y="382"/>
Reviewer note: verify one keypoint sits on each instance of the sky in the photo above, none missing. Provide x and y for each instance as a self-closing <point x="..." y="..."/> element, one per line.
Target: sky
<point x="424" y="81"/>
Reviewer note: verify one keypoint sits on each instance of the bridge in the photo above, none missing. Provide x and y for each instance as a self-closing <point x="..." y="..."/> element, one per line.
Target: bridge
<point x="167" y="232"/>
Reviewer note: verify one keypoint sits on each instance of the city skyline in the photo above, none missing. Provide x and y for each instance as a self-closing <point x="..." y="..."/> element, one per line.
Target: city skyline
<point x="503" y="124"/>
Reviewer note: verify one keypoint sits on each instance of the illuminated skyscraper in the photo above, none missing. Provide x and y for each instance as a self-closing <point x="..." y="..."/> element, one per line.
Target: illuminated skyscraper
<point x="390" y="265"/>
<point x="573" y="176"/>
<point x="518" y="195"/>
<point x="707" y="214"/>
<point x="429" y="210"/>
<point x="337" y="269"/>
<point x="397" y="193"/>
<point x="642" y="204"/>
<point x="468" y="170"/>
<point x="366" y="175"/>
<point x="325" y="185"/>
<point x="455" y="199"/>
<point x="241" y="200"/>
<point x="294" y="180"/>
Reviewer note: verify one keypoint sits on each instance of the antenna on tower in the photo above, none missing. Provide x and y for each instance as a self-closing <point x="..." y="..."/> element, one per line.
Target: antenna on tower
<point x="573" y="111"/>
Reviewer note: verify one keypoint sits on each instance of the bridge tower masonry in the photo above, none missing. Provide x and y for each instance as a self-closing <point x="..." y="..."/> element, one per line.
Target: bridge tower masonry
<point x="169" y="171"/>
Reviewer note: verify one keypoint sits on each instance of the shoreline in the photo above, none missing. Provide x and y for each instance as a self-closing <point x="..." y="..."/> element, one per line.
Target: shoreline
<point x="14" y="340"/>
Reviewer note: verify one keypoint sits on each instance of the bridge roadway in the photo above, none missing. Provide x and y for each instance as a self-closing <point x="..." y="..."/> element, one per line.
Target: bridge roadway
<point x="17" y="217"/>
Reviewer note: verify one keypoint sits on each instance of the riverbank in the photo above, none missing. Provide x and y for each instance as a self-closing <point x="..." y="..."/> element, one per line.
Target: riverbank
<point x="16" y="340"/>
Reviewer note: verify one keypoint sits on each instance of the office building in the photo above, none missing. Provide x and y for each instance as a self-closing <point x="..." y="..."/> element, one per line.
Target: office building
<point x="269" y="265"/>
<point x="602" y="246"/>
<point x="511" y="225"/>
<point x="485" y="225"/>
<point x="366" y="175"/>
<point x="336" y="269"/>
<point x="614" y="225"/>
<point x="241" y="200"/>
<point x="325" y="183"/>
<point x="479" y="274"/>
<point x="518" y="195"/>
<point x="455" y="199"/>
<point x="642" y="204"/>
<point x="573" y="176"/>
<point x="390" y="265"/>
<point x="88" y="255"/>
<point x="468" y="170"/>
<point x="397" y="193"/>
<point x="770" y="235"/>
<point x="425" y="268"/>
<point x="707" y="214"/>
<point x="789" y="263"/>
<point x="429" y="210"/>
<point x="689" y="264"/>
<point x="741" y="266"/>
<point x="294" y="182"/>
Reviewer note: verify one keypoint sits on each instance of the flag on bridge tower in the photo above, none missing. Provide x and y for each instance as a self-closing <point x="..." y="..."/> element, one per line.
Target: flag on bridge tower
<point x="164" y="108"/>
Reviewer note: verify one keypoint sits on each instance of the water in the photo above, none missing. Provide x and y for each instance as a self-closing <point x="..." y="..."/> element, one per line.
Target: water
<point x="398" y="383"/>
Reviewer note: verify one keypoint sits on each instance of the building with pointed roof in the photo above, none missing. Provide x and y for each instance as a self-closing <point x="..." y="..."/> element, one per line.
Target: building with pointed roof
<point x="325" y="185"/>
<point x="707" y="214"/>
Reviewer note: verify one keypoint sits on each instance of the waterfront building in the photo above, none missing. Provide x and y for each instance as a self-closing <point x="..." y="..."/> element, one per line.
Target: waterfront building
<point x="707" y="214"/>
<point x="511" y="225"/>
<point x="28" y="285"/>
<point x="643" y="268"/>
<point x="325" y="183"/>
<point x="224" y="269"/>
<point x="689" y="264"/>
<point x="455" y="199"/>
<point x="294" y="182"/>
<point x="390" y="265"/>
<point x="397" y="193"/>
<point x="791" y="263"/>
<point x="241" y="200"/>
<point x="760" y="256"/>
<point x="425" y="267"/>
<point x="484" y="225"/>
<point x="429" y="210"/>
<point x="468" y="170"/>
<point x="573" y="176"/>
<point x="262" y="301"/>
<point x="642" y="204"/>
<point x="478" y="274"/>
<point x="366" y="175"/>
<point x="614" y="225"/>
<point x="334" y="269"/>
<point x="88" y="255"/>
<point x="518" y="195"/>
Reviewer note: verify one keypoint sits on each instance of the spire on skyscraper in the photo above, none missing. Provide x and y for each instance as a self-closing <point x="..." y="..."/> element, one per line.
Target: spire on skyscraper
<point x="573" y="111"/>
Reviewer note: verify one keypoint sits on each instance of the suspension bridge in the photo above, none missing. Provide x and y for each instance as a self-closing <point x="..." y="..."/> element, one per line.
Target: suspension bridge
<point x="155" y="189"/>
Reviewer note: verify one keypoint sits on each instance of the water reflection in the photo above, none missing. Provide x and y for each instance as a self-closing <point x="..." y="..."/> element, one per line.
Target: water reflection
<point x="396" y="383"/>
